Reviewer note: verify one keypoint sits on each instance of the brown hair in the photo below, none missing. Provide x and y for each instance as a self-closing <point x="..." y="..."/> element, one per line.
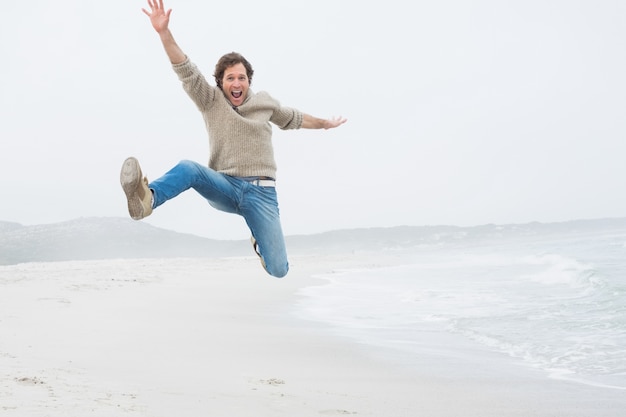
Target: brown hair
<point x="228" y="61"/>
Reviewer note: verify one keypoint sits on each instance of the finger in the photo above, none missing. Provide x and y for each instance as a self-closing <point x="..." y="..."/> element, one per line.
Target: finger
<point x="340" y="120"/>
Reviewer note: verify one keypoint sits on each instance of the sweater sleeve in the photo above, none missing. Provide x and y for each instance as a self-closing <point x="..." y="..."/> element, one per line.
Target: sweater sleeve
<point x="194" y="83"/>
<point x="287" y="118"/>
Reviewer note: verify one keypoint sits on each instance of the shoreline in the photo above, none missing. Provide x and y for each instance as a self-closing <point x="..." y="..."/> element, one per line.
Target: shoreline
<point x="219" y="337"/>
<point x="405" y="347"/>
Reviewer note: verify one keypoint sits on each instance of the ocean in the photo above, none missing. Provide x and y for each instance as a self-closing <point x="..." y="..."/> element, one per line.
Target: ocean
<point x="549" y="296"/>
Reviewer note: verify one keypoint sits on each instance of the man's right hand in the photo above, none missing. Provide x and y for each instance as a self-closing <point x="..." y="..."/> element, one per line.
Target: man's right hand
<point x="159" y="18"/>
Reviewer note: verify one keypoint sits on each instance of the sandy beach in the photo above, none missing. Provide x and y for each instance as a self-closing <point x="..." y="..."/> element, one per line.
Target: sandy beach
<point x="218" y="337"/>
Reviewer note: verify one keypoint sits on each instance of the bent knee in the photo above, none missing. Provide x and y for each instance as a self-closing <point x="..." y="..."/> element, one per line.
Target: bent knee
<point x="188" y="164"/>
<point x="279" y="272"/>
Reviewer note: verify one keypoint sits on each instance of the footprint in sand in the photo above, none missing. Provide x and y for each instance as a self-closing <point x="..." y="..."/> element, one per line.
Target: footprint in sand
<point x="29" y="381"/>
<point x="272" y="381"/>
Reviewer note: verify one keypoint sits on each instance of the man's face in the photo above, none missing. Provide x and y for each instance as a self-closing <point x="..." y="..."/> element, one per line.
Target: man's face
<point x="235" y="84"/>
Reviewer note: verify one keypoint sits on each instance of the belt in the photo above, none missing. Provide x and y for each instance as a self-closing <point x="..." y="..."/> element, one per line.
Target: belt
<point x="263" y="183"/>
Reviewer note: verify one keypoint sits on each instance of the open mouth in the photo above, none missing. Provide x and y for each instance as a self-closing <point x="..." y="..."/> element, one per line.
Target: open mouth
<point x="236" y="94"/>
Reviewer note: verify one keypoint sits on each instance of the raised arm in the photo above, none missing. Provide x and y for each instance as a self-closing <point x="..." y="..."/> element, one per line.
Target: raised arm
<point x="310" y="122"/>
<point x="160" y="20"/>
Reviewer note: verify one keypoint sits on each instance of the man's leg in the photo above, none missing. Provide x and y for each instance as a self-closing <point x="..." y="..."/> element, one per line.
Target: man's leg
<point x="212" y="185"/>
<point x="259" y="207"/>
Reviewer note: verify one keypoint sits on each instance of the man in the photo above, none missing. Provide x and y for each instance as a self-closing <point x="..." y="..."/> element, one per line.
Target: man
<point x="240" y="177"/>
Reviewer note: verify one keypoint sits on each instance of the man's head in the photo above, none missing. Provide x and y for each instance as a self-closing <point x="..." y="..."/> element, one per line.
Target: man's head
<point x="233" y="74"/>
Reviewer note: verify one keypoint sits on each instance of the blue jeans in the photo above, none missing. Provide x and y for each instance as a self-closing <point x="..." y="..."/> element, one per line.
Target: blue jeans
<point x="258" y="206"/>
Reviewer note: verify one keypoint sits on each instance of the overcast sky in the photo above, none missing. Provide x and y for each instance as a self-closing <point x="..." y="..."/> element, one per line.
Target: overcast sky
<point x="460" y="112"/>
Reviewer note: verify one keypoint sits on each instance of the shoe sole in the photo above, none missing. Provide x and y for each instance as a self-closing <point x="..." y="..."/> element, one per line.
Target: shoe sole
<point x="130" y="177"/>
<point x="256" y="250"/>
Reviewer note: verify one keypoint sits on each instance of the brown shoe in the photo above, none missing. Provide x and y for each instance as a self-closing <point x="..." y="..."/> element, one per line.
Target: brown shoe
<point x="136" y="189"/>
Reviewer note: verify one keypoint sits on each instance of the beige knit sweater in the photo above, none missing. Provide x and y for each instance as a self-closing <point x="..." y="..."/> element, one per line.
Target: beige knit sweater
<point x="240" y="139"/>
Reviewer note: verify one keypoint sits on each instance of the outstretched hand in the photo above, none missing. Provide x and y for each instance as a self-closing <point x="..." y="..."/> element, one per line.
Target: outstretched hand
<point x="159" y="18"/>
<point x="311" y="122"/>
<point x="334" y="122"/>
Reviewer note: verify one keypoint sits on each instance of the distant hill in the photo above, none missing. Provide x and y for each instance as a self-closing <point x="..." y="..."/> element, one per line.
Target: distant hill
<point x="112" y="237"/>
<point x="104" y="238"/>
<point x="403" y="237"/>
